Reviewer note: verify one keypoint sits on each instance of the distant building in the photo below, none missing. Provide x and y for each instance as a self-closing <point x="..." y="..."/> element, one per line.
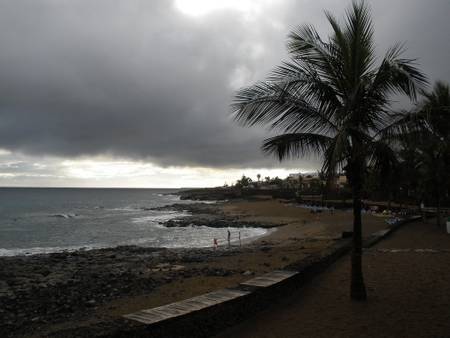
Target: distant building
<point x="294" y="176"/>
<point x="309" y="181"/>
<point x="312" y="180"/>
<point x="305" y="180"/>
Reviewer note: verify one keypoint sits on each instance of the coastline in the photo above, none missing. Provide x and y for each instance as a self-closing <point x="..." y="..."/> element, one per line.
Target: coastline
<point x="47" y="293"/>
<point x="179" y="215"/>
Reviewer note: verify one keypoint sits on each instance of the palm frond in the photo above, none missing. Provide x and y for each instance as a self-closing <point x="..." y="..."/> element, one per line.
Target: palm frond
<point x="295" y="145"/>
<point x="398" y="75"/>
<point x="304" y="81"/>
<point x="359" y="34"/>
<point x="336" y="153"/>
<point x="382" y="156"/>
<point x="402" y="124"/>
<point x="305" y="45"/>
<point x="276" y="107"/>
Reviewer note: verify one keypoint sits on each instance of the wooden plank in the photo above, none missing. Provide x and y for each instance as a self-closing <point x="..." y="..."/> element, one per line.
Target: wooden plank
<point x="194" y="304"/>
<point x="269" y="279"/>
<point x="142" y="318"/>
<point x="161" y="313"/>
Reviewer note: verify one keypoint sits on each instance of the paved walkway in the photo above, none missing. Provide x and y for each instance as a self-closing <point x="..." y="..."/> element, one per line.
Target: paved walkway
<point x="408" y="283"/>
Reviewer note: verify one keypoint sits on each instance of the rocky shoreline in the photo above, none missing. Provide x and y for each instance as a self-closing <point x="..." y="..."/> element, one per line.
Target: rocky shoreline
<point x="38" y="291"/>
<point x="210" y="215"/>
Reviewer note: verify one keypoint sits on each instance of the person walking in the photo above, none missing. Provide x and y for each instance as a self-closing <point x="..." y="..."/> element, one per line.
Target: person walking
<point x="229" y="238"/>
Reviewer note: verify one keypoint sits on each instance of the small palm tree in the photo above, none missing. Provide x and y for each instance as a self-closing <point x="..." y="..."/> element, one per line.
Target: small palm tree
<point x="332" y="99"/>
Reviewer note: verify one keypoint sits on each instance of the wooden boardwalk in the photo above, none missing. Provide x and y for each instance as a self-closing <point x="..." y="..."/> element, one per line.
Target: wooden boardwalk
<point x="185" y="307"/>
<point x="269" y="279"/>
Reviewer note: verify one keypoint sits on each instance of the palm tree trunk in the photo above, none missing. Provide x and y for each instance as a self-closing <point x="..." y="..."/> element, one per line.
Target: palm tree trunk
<point x="357" y="288"/>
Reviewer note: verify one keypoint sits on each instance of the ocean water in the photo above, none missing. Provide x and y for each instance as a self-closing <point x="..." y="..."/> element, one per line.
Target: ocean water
<point x="41" y="220"/>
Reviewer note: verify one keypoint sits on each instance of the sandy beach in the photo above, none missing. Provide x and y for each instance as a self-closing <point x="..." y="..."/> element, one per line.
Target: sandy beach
<point x="41" y="295"/>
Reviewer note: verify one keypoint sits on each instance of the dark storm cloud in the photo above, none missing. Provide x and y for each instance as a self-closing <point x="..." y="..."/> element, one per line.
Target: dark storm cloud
<point x="140" y="79"/>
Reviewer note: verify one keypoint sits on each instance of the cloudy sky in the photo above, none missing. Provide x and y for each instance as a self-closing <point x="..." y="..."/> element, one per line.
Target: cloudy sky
<point x="137" y="93"/>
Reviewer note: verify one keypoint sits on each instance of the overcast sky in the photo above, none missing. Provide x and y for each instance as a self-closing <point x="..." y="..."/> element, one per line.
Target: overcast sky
<point x="137" y="93"/>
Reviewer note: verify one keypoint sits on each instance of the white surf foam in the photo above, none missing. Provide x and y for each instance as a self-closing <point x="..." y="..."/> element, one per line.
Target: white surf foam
<point x="46" y="250"/>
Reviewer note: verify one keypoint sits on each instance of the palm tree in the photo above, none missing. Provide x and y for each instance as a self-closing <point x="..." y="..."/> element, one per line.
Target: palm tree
<point x="332" y="99"/>
<point x="433" y="141"/>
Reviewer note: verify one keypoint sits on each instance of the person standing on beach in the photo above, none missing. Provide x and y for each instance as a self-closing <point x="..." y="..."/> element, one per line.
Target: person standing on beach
<point x="240" y="243"/>
<point x="229" y="238"/>
<point x="215" y="243"/>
